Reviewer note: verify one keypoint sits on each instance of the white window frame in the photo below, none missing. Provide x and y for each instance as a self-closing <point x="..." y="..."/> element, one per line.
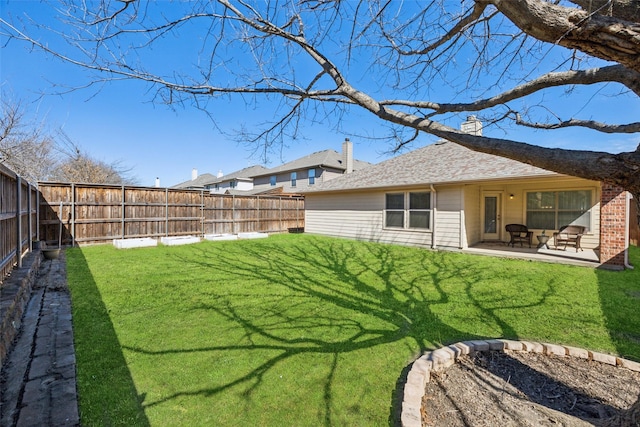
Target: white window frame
<point x="556" y="209"/>
<point x="406" y="211"/>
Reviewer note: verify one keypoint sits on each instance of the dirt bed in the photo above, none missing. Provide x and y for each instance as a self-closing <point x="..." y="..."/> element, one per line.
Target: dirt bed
<point x="530" y="389"/>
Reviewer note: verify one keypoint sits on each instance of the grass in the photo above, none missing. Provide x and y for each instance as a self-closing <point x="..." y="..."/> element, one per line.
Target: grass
<point x="300" y="330"/>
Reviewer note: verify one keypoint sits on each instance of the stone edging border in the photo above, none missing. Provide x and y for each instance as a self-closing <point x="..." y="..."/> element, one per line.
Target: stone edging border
<point x="16" y="292"/>
<point x="442" y="358"/>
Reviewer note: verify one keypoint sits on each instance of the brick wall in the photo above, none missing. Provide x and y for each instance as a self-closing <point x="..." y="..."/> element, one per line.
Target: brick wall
<point x="613" y="207"/>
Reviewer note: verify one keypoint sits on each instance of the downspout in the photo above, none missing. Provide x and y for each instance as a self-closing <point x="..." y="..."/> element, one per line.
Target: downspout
<point x="626" y="232"/>
<point x="433" y="220"/>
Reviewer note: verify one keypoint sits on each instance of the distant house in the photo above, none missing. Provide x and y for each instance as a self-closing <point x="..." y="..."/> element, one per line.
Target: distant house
<point x="290" y="178"/>
<point x="239" y="181"/>
<point x="197" y="182"/>
<point x="309" y="171"/>
<point x="447" y="196"/>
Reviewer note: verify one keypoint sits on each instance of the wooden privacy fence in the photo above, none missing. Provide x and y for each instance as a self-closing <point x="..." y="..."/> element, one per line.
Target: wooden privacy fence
<point x="98" y="213"/>
<point x="18" y="219"/>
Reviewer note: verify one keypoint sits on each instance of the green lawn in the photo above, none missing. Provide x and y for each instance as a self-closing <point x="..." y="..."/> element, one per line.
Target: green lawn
<point x="300" y="330"/>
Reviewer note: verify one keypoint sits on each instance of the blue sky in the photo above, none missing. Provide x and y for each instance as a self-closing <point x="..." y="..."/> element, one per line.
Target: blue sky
<point x="118" y="121"/>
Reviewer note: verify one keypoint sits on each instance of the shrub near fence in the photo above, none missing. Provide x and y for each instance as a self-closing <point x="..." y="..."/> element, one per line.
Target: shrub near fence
<point x="18" y="219"/>
<point x="99" y="213"/>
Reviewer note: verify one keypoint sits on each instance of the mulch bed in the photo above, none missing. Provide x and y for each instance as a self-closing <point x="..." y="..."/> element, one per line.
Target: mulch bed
<point x="529" y="389"/>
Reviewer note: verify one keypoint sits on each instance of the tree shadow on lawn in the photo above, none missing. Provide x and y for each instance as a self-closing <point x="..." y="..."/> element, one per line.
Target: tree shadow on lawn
<point x="106" y="391"/>
<point x="620" y="298"/>
<point x="376" y="294"/>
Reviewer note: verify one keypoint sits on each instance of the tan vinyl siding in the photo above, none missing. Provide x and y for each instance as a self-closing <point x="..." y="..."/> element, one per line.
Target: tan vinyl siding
<point x="283" y="179"/>
<point x="448" y="218"/>
<point x="515" y="210"/>
<point x="353" y="216"/>
<point x="329" y="174"/>
<point x="457" y="213"/>
<point x="472" y="215"/>
<point x="356" y="216"/>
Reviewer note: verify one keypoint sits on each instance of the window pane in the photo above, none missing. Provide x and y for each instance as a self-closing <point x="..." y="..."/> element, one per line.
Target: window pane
<point x="395" y="201"/>
<point x="395" y="219"/>
<point x="541" y="200"/>
<point x="419" y="200"/>
<point x="312" y="176"/>
<point x="574" y="200"/>
<point x="574" y="218"/>
<point x="272" y="180"/>
<point x="541" y="220"/>
<point x="294" y="178"/>
<point x="490" y="214"/>
<point x="419" y="219"/>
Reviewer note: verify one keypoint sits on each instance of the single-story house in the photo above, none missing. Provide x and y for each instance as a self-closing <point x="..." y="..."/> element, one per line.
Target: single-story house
<point x="445" y="196"/>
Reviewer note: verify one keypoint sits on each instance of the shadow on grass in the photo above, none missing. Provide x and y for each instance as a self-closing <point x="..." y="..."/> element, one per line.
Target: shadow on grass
<point x="620" y="299"/>
<point x="375" y="280"/>
<point x="321" y="296"/>
<point x="107" y="394"/>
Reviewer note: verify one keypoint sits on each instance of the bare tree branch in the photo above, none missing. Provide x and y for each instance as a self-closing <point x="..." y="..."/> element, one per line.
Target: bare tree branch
<point x="499" y="58"/>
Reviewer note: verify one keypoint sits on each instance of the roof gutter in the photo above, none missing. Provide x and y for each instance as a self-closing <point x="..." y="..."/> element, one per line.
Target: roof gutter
<point x="433" y="217"/>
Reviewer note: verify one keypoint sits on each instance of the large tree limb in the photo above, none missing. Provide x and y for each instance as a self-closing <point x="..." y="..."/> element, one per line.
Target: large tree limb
<point x="601" y="36"/>
<point x="613" y="73"/>
<point x="628" y="10"/>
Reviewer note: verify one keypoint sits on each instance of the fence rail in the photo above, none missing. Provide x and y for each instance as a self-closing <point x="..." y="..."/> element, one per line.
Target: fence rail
<point x="98" y="213"/>
<point x="18" y="219"/>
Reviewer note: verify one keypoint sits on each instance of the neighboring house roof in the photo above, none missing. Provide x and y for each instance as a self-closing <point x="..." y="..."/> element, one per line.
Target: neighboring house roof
<point x="199" y="182"/>
<point x="246" y="173"/>
<point x="208" y="179"/>
<point x="326" y="158"/>
<point x="439" y="163"/>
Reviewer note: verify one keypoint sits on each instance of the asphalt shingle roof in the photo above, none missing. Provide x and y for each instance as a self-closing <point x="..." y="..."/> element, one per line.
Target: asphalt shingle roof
<point x="248" y="172"/>
<point x="327" y="158"/>
<point x="200" y="181"/>
<point x="439" y="163"/>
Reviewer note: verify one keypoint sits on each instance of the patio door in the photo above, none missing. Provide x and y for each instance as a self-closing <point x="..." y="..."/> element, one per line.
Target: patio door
<point x="491" y="216"/>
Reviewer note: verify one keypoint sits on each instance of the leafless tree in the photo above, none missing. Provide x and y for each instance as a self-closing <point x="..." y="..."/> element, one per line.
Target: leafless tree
<point x="38" y="154"/>
<point x="25" y="147"/>
<point x="76" y="165"/>
<point x="501" y="60"/>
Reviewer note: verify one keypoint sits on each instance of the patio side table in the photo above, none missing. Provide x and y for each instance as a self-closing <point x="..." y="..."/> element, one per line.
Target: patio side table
<point x="543" y="239"/>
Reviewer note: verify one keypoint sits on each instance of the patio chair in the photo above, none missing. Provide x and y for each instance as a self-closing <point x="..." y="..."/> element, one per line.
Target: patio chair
<point x="569" y="235"/>
<point x="519" y="233"/>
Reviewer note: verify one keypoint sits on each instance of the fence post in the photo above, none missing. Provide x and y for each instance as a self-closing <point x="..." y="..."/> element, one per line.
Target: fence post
<point x="123" y="207"/>
<point x="166" y="212"/>
<point x="19" y="220"/>
<point x="258" y="214"/>
<point x="30" y="218"/>
<point x="280" y="212"/>
<point x="72" y="206"/>
<point x="202" y="213"/>
<point x="233" y="214"/>
<point x="38" y="194"/>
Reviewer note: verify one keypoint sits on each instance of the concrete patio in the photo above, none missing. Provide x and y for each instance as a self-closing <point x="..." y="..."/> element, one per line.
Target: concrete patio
<point x="585" y="258"/>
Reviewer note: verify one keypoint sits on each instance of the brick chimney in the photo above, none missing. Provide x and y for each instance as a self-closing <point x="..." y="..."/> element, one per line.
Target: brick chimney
<point x="347" y="156"/>
<point x="472" y="126"/>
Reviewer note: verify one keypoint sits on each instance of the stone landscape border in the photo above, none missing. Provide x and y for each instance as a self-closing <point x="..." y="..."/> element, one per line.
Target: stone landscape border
<point x="16" y="292"/>
<point x="442" y="358"/>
